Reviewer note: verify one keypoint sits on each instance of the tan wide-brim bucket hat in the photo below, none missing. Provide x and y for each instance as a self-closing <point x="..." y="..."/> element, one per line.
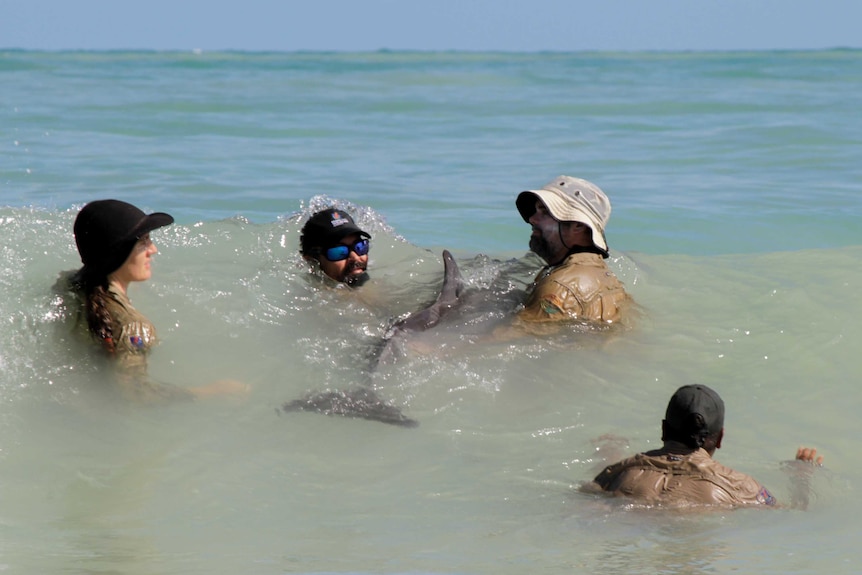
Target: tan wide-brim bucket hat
<point x="571" y="199"/>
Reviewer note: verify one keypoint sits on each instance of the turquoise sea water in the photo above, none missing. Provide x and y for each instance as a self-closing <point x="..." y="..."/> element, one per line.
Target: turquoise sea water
<point x="735" y="183"/>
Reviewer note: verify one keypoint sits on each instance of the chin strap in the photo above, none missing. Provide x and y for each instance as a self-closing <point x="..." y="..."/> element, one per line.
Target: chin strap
<point x="592" y="249"/>
<point x="560" y="233"/>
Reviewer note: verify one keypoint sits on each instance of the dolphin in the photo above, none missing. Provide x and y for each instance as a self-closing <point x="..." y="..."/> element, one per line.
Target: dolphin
<point x="362" y="401"/>
<point x="424" y="319"/>
<point x="450" y="295"/>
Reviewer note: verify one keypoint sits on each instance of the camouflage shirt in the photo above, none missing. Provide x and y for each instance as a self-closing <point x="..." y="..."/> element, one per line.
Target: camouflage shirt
<point x="664" y="477"/>
<point x="580" y="288"/>
<point x="133" y="337"/>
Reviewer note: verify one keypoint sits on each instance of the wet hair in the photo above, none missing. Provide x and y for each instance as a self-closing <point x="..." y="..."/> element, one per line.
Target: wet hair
<point x="99" y="322"/>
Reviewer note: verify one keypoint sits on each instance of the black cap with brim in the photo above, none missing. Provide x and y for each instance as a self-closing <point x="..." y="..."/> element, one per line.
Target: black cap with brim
<point x="694" y="413"/>
<point x="327" y="228"/>
<point x="107" y="230"/>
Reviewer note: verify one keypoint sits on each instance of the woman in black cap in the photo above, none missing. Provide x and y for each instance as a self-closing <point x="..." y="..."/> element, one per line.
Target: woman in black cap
<point x="113" y="239"/>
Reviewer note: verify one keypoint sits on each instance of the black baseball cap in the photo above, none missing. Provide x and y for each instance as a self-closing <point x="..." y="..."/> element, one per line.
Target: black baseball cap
<point x="107" y="230"/>
<point x="327" y="228"/>
<point x="694" y="413"/>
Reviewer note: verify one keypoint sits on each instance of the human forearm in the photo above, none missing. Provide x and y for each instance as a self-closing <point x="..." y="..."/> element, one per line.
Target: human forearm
<point x="800" y="472"/>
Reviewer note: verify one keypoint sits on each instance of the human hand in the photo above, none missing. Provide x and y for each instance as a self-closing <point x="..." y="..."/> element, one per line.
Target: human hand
<point x="809" y="454"/>
<point x="801" y="474"/>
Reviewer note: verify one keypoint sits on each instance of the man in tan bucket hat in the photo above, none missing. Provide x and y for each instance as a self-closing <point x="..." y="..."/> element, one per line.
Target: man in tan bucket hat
<point x="568" y="216"/>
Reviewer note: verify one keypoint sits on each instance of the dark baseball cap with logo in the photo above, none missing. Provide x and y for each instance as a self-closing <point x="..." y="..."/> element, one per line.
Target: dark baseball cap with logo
<point x="326" y="228"/>
<point x="694" y="413"/>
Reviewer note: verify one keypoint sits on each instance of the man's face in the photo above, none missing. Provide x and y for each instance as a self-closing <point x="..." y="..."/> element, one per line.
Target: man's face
<point x="350" y="270"/>
<point x="545" y="239"/>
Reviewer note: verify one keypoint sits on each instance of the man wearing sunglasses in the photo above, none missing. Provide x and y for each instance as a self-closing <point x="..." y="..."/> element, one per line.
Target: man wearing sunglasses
<point x="568" y="217"/>
<point x="333" y="240"/>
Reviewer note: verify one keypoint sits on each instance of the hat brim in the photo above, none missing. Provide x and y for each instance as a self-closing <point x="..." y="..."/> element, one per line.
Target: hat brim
<point x="338" y="234"/>
<point x="149" y="223"/>
<point x="119" y="251"/>
<point x="561" y="208"/>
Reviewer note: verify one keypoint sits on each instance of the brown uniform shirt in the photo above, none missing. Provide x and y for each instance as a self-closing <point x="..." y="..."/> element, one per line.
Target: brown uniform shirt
<point x="580" y="288"/>
<point x="134" y="336"/>
<point x="662" y="477"/>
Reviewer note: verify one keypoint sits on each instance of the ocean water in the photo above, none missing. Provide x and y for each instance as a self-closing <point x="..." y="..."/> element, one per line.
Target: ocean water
<point x="735" y="183"/>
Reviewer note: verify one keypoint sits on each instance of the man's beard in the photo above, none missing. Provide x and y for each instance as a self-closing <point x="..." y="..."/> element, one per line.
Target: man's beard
<point x="357" y="279"/>
<point x="539" y="245"/>
<point x="352" y="279"/>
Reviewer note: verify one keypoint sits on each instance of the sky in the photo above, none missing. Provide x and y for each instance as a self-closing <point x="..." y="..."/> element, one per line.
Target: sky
<point x="430" y="25"/>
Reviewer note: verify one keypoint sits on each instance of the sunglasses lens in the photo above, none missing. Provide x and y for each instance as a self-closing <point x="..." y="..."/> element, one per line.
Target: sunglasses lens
<point x="337" y="253"/>
<point x="340" y="252"/>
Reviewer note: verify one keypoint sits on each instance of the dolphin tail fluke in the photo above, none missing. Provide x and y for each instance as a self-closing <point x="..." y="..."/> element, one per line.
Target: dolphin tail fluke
<point x="358" y="402"/>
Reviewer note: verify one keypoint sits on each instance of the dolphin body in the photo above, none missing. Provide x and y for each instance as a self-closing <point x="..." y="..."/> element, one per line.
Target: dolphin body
<point x="450" y="295"/>
<point x="361" y="401"/>
<point x="422" y="320"/>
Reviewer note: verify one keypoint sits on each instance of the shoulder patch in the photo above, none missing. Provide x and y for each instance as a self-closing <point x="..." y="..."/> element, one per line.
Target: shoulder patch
<point x="765" y="497"/>
<point x="551" y="304"/>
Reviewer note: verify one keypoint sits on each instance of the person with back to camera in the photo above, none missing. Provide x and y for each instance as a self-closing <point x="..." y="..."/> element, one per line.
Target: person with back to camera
<point x="113" y="240"/>
<point x="568" y="218"/>
<point x="682" y="472"/>
<point x="338" y="248"/>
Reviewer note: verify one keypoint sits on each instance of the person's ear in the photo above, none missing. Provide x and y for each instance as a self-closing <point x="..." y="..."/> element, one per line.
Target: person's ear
<point x="720" y="437"/>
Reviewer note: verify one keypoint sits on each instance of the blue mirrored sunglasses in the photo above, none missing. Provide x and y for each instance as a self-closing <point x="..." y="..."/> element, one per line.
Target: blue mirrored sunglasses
<point x="341" y="251"/>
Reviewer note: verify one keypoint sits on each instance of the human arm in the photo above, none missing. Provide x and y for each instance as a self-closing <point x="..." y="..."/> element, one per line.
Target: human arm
<point x="800" y="472"/>
<point x="126" y="337"/>
<point x="608" y="450"/>
<point x="582" y="292"/>
<point x="544" y="313"/>
<point x="130" y="354"/>
<point x="137" y="386"/>
<point x="220" y="387"/>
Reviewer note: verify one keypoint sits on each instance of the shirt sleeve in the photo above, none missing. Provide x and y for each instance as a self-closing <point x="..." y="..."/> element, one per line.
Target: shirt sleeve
<point x="575" y="293"/>
<point x="136" y="337"/>
<point x="740" y="488"/>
